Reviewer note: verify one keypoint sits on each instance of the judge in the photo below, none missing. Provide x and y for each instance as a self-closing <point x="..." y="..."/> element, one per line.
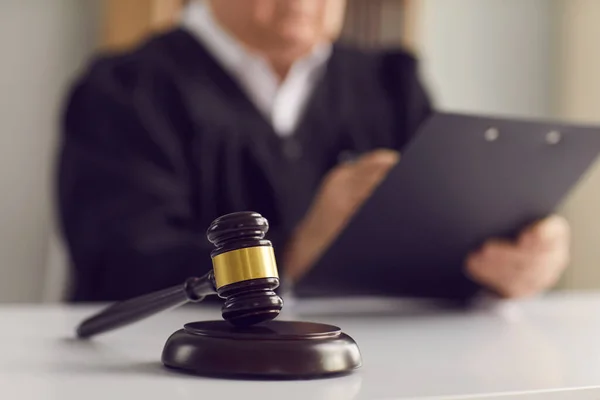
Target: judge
<point x="247" y="105"/>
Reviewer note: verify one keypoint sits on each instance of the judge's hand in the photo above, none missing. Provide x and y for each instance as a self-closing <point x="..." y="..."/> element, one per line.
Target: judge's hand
<point x="526" y="267"/>
<point x="343" y="190"/>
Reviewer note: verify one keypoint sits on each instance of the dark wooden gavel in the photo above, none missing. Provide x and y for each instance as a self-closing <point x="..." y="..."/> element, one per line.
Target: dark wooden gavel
<point x="244" y="274"/>
<point x="247" y="342"/>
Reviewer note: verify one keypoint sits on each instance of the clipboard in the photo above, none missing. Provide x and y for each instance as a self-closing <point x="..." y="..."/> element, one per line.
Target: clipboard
<point x="462" y="180"/>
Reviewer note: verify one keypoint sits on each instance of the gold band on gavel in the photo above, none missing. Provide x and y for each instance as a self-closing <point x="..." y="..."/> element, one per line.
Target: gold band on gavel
<point x="244" y="264"/>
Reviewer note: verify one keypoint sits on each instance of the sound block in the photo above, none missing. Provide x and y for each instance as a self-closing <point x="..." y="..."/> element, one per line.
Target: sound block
<point x="274" y="349"/>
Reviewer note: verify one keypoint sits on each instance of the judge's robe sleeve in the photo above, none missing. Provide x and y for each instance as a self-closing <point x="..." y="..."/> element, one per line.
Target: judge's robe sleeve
<point x="407" y="94"/>
<point x="125" y="189"/>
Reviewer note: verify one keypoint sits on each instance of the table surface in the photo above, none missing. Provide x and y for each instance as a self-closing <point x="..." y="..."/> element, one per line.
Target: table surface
<point x="409" y="352"/>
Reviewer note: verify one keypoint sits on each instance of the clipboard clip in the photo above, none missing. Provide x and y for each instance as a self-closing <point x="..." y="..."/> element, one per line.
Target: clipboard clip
<point x="492" y="134"/>
<point x="553" y="137"/>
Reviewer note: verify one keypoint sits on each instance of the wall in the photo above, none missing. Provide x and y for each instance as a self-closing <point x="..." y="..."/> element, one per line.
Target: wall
<point x="578" y="99"/>
<point x="41" y="44"/>
<point x="492" y="56"/>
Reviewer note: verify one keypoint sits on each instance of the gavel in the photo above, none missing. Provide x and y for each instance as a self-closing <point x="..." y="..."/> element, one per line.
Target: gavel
<point x="244" y="274"/>
<point x="247" y="342"/>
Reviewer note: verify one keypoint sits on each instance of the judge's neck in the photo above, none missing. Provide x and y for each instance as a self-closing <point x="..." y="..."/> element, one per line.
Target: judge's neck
<point x="242" y="53"/>
<point x="277" y="82"/>
<point x="280" y="60"/>
<point x="281" y="63"/>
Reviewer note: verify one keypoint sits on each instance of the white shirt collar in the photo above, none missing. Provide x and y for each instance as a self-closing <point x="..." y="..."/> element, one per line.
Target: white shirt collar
<point x="282" y="103"/>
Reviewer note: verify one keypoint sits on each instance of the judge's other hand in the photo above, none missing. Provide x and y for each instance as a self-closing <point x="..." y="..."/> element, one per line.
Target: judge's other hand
<point x="532" y="264"/>
<point x="343" y="190"/>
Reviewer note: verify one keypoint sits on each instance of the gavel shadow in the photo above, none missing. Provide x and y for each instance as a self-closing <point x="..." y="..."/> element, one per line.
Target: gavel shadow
<point x="100" y="359"/>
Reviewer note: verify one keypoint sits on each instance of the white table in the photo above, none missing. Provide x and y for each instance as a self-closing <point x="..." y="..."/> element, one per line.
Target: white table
<point x="547" y="345"/>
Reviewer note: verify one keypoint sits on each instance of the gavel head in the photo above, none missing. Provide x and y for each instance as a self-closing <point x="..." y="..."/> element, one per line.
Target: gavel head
<point x="244" y="267"/>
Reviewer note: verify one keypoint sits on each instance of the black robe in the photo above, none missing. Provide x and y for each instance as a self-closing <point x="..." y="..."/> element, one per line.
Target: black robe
<point x="160" y="140"/>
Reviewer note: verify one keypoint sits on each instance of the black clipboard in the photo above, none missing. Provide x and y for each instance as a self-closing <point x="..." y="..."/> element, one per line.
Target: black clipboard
<point x="461" y="180"/>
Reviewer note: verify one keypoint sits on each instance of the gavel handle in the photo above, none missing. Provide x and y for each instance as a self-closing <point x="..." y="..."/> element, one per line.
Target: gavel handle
<point x="132" y="310"/>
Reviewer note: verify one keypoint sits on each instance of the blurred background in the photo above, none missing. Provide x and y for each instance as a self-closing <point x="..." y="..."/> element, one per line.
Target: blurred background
<point x="533" y="58"/>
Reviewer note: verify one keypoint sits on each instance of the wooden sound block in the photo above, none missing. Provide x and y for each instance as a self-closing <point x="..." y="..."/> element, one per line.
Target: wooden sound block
<point x="274" y="350"/>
